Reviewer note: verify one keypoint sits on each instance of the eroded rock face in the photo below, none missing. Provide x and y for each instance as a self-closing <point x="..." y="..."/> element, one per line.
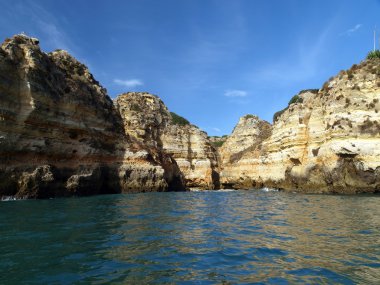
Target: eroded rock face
<point x="60" y="134"/>
<point x="147" y="119"/>
<point x="329" y="143"/>
<point x="194" y="154"/>
<point x="245" y="141"/>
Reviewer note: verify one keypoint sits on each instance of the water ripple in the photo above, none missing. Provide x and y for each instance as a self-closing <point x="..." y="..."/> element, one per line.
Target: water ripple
<point x="235" y="237"/>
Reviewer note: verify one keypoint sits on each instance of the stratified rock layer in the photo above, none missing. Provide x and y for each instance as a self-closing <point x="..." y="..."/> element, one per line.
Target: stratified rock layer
<point x="329" y="143"/>
<point x="246" y="140"/>
<point x="194" y="154"/>
<point x="60" y="134"/>
<point x="147" y="119"/>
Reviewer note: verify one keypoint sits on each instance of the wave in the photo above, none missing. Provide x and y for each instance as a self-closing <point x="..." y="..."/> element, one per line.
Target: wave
<point x="210" y="190"/>
<point x="10" y="198"/>
<point x="267" y="189"/>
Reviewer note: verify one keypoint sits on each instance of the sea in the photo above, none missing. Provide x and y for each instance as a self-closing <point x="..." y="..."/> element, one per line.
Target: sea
<point x="204" y="237"/>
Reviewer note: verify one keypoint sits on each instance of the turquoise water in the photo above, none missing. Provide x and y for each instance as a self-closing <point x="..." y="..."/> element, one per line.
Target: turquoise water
<point x="240" y="237"/>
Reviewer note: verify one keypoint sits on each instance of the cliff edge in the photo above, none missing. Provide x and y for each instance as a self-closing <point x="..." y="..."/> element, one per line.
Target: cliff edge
<point x="60" y="134"/>
<point x="325" y="141"/>
<point x="147" y="119"/>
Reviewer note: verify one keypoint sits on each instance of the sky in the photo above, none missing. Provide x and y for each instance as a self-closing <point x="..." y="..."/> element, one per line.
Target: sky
<point x="210" y="61"/>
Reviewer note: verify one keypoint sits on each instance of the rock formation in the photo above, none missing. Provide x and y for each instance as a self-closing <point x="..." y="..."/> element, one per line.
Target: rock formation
<point x="326" y="142"/>
<point x="147" y="119"/>
<point x="195" y="155"/>
<point x="60" y="134"/>
<point x="245" y="141"/>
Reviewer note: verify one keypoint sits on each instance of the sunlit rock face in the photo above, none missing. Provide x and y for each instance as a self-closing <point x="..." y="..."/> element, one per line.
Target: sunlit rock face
<point x="60" y="134"/>
<point x="194" y="154"/>
<point x="240" y="151"/>
<point x="328" y="143"/>
<point x="147" y="119"/>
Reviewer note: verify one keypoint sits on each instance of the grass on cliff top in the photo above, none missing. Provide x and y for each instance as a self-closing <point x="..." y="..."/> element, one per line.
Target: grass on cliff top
<point x="178" y="120"/>
<point x="373" y="54"/>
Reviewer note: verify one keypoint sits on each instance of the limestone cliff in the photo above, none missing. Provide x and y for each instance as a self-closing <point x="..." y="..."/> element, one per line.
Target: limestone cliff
<point x="326" y="142"/>
<point x="194" y="154"/>
<point x="60" y="134"/>
<point x="246" y="140"/>
<point x="147" y="119"/>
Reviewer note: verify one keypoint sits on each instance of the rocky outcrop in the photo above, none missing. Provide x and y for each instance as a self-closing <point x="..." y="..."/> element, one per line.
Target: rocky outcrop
<point x="147" y="119"/>
<point x="60" y="134"/>
<point x="194" y="154"/>
<point x="326" y="142"/>
<point x="245" y="141"/>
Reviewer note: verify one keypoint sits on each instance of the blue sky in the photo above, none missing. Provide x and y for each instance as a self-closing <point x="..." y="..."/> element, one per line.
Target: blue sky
<point x="211" y="61"/>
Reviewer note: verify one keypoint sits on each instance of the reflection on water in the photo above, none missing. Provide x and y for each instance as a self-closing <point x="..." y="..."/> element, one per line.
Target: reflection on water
<point x="202" y="237"/>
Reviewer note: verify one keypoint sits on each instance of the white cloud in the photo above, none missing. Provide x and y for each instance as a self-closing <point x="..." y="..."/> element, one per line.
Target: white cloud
<point x="235" y="93"/>
<point x="352" y="30"/>
<point x="130" y="83"/>
<point x="216" y="130"/>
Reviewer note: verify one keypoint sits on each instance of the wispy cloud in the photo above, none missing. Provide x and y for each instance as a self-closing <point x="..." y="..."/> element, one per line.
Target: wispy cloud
<point x="130" y="83"/>
<point x="55" y="36"/>
<point x="303" y="65"/>
<point x="49" y="28"/>
<point x="217" y="130"/>
<point x="349" y="32"/>
<point x="235" y="93"/>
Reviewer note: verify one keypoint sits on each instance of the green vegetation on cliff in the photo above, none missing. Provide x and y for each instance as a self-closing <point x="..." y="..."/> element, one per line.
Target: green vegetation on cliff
<point x="218" y="143"/>
<point x="178" y="120"/>
<point x="373" y="54"/>
<point x="294" y="99"/>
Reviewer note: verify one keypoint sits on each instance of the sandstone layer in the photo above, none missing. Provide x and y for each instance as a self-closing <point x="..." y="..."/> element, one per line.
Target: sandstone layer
<point x="246" y="140"/>
<point x="60" y="134"/>
<point x="147" y="119"/>
<point x="327" y="142"/>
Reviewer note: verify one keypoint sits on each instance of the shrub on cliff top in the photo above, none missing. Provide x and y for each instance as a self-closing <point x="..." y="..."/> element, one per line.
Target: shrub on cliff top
<point x="295" y="99"/>
<point x="373" y="54"/>
<point x="218" y="143"/>
<point x="178" y="120"/>
<point x="278" y="114"/>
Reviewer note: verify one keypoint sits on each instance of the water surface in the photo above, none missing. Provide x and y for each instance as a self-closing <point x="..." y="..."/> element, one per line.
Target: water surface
<point x="240" y="237"/>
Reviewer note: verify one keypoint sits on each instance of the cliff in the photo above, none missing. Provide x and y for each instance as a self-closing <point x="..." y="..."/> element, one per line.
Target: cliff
<point x="245" y="141"/>
<point x="194" y="154"/>
<point x="325" y="142"/>
<point x="60" y="134"/>
<point x="147" y="119"/>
